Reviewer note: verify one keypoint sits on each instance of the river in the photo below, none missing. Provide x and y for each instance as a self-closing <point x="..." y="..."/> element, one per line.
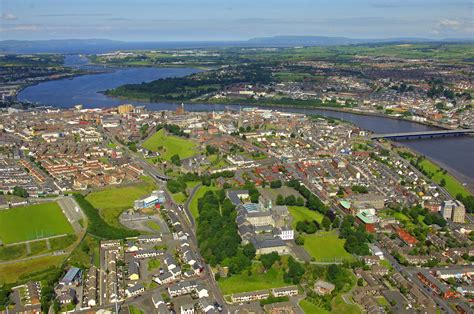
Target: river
<point x="455" y="154"/>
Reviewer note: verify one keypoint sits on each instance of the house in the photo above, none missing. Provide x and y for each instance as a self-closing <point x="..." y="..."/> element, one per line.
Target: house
<point x="133" y="269"/>
<point x="201" y="291"/>
<point x="134" y="290"/>
<point x="149" y="238"/>
<point x="182" y="288"/>
<point x="132" y="247"/>
<point x="73" y="275"/>
<point x="67" y="296"/>
<point x="267" y="243"/>
<point x="148" y="253"/>
<point x="158" y="303"/>
<point x="285" y="291"/>
<point x="187" y="309"/>
<point x="164" y="278"/>
<point x="250" y="296"/>
<point x="206" y="306"/>
<point x="437" y="286"/>
<point x="322" y="287"/>
<point x="176" y="271"/>
<point x="34" y="292"/>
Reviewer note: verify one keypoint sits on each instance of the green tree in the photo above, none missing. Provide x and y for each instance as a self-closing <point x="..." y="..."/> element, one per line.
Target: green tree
<point x="326" y="223"/>
<point x="175" y="160"/>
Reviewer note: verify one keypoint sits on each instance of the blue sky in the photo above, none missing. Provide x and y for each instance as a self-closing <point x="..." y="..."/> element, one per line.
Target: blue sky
<point x="183" y="20"/>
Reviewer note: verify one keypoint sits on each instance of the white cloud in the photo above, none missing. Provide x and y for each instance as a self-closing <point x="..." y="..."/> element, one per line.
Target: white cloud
<point x="8" y="16"/>
<point x="449" y="24"/>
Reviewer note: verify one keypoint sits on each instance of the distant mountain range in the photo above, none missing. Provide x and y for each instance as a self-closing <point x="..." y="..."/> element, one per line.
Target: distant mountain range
<point x="92" y="46"/>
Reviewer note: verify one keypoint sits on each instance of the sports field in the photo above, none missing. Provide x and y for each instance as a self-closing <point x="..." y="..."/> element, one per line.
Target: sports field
<point x="301" y="213"/>
<point x="32" y="222"/>
<point x="113" y="200"/>
<point x="168" y="145"/>
<point x="326" y="247"/>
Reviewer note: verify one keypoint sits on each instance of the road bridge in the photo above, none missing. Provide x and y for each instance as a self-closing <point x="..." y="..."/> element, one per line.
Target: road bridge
<point x="423" y="134"/>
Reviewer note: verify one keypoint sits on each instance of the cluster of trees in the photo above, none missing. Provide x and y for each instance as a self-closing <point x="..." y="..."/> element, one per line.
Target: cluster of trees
<point x="175" y="160"/>
<point x="434" y="219"/>
<point x="211" y="150"/>
<point x="97" y="226"/>
<point x="173" y="129"/>
<point x="269" y="259"/>
<point x="254" y="194"/>
<point x="217" y="235"/>
<point x="438" y="91"/>
<point x="179" y="184"/>
<point x="312" y="201"/>
<point x="356" y="238"/>
<point x="290" y="200"/>
<point x="339" y="276"/>
<point x="19" y="191"/>
<point x="468" y="202"/>
<point x="308" y="227"/>
<point x="359" y="189"/>
<point x="275" y="184"/>
<point x="295" y="272"/>
<point x="195" y="85"/>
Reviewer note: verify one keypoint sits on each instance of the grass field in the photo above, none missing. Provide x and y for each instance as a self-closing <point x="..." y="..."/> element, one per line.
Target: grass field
<point x="10" y="273"/>
<point x="8" y="253"/>
<point x="171" y="145"/>
<point x="310" y="308"/>
<point x="85" y="252"/>
<point x="326" y="246"/>
<point x="453" y="186"/>
<point x="134" y="310"/>
<point x="153" y="225"/>
<point x="153" y="264"/>
<point x="301" y="213"/>
<point x="31" y="222"/>
<point x="113" y="200"/>
<point x="243" y="283"/>
<point x="193" y="205"/>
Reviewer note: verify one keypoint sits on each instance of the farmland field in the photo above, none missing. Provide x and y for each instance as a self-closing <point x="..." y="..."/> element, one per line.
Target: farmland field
<point x="10" y="273"/>
<point x="32" y="222"/>
<point x="112" y="201"/>
<point x="168" y="145"/>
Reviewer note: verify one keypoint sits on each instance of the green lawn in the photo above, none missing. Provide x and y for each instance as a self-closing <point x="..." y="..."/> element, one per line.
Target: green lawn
<point x="193" y="205"/>
<point x="134" y="310"/>
<point x="301" y="213"/>
<point x="31" y="222"/>
<point x="311" y="308"/>
<point x="171" y="145"/>
<point x="179" y="197"/>
<point x="153" y="225"/>
<point x="13" y="252"/>
<point x="154" y="264"/>
<point x="339" y="306"/>
<point x="113" y="200"/>
<point x="326" y="246"/>
<point x="10" y="273"/>
<point x="38" y="247"/>
<point x="453" y="186"/>
<point x="244" y="283"/>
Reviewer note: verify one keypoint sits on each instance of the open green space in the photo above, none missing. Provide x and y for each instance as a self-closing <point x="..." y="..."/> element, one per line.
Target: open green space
<point x="86" y="253"/>
<point x="154" y="264"/>
<point x="179" y="197"/>
<point x="32" y="222"/>
<point x="10" y="273"/>
<point x="453" y="186"/>
<point x="193" y="205"/>
<point x="135" y="310"/>
<point x="326" y="247"/>
<point x="62" y="242"/>
<point x="311" y="308"/>
<point x="113" y="200"/>
<point x="302" y="213"/>
<point x="168" y="145"/>
<point x="153" y="225"/>
<point x="273" y="278"/>
<point x="38" y="247"/>
<point x="8" y="253"/>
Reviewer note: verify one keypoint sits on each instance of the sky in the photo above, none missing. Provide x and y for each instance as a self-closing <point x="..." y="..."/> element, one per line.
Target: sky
<point x="221" y="20"/>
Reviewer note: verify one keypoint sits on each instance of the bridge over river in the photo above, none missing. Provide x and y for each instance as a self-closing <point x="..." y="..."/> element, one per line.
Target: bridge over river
<point x="423" y="134"/>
